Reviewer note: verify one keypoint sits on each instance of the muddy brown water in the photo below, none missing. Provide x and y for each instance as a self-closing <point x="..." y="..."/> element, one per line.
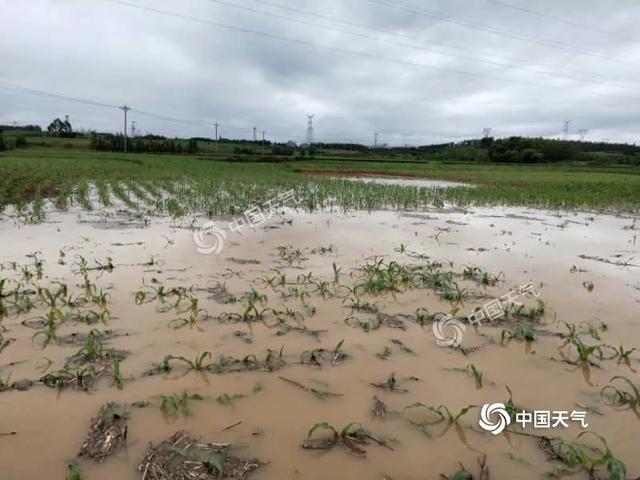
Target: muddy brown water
<point x="527" y="246"/>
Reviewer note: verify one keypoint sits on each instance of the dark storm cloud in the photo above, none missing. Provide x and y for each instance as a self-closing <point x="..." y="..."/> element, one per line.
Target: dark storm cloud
<point x="429" y="71"/>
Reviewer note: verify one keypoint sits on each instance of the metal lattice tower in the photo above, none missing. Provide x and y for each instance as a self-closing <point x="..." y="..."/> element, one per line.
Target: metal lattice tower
<point x="565" y="129"/>
<point x="486" y="132"/>
<point x="583" y="133"/>
<point x="375" y="139"/>
<point x="310" y="130"/>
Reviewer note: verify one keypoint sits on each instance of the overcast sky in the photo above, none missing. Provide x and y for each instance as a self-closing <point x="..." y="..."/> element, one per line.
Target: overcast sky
<point x="417" y="71"/>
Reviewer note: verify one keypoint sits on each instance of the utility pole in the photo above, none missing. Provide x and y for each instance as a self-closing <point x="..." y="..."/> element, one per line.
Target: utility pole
<point x="255" y="139"/>
<point x="125" y="108"/>
<point x="216" y="125"/>
<point x="263" y="136"/>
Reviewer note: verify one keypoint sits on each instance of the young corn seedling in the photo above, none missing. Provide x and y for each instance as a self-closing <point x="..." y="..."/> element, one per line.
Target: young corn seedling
<point x="198" y="363"/>
<point x="481" y="276"/>
<point x="464" y="474"/>
<point x="49" y="326"/>
<point x="390" y="384"/>
<point x="79" y="378"/>
<point x="624" y="355"/>
<point x="438" y="415"/>
<point x="118" y="379"/>
<point x="424" y="318"/>
<point x="477" y="374"/>
<point x="580" y="457"/>
<point x="74" y="472"/>
<point x="622" y="392"/>
<point x="520" y="332"/>
<point x="173" y="405"/>
<point x="289" y="255"/>
<point x="227" y="399"/>
<point x="320" y="356"/>
<point x="336" y="272"/>
<point x="353" y="436"/>
<point x="453" y="293"/>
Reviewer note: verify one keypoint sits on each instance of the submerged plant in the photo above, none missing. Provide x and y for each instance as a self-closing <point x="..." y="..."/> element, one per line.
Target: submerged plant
<point x="174" y="404"/>
<point x="622" y="392"/>
<point x="353" y="436"/>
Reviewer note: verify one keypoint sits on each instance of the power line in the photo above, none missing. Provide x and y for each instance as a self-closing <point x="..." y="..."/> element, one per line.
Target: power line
<point x="497" y="31"/>
<point x="559" y="20"/>
<point x="328" y="138"/>
<point x="43" y="93"/>
<point x="525" y="62"/>
<point x="347" y="51"/>
<point x="33" y="91"/>
<point x="401" y="44"/>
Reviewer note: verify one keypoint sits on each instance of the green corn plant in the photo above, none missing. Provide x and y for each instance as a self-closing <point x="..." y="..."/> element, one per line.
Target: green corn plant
<point x="477" y="374"/>
<point x="353" y="436"/>
<point x="442" y="412"/>
<point x="519" y="332"/>
<point x="118" y="379"/>
<point x="198" y="363"/>
<point x="621" y="396"/>
<point x="173" y="405"/>
<point x="74" y="472"/>
<point x="423" y="317"/>
<point x="336" y="272"/>
<point x="624" y="355"/>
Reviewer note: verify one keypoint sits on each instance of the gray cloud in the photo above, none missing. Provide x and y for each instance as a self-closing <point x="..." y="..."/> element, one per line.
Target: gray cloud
<point x="435" y="71"/>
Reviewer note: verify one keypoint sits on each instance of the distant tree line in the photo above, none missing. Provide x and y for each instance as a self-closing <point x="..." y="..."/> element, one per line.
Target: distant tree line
<point x="544" y="150"/>
<point x="146" y="144"/>
<point x="342" y="146"/>
<point x="24" y="128"/>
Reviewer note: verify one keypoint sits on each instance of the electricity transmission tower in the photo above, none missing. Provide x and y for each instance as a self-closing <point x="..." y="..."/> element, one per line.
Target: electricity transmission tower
<point x="254" y="134"/>
<point x="583" y="133"/>
<point x="126" y="109"/>
<point x="375" y="139"/>
<point x="310" y="130"/>
<point x="486" y="132"/>
<point x="133" y="129"/>
<point x="565" y="128"/>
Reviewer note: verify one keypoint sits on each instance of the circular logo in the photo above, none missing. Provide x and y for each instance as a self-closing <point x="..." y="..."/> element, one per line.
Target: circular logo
<point x="494" y="418"/>
<point x="209" y="238"/>
<point x="456" y="327"/>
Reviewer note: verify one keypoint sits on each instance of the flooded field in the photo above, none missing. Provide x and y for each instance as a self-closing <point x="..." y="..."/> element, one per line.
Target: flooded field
<point x="319" y="320"/>
<point x="405" y="182"/>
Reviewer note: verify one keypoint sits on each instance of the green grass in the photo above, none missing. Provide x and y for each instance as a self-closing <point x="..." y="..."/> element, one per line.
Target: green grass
<point x="181" y="184"/>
